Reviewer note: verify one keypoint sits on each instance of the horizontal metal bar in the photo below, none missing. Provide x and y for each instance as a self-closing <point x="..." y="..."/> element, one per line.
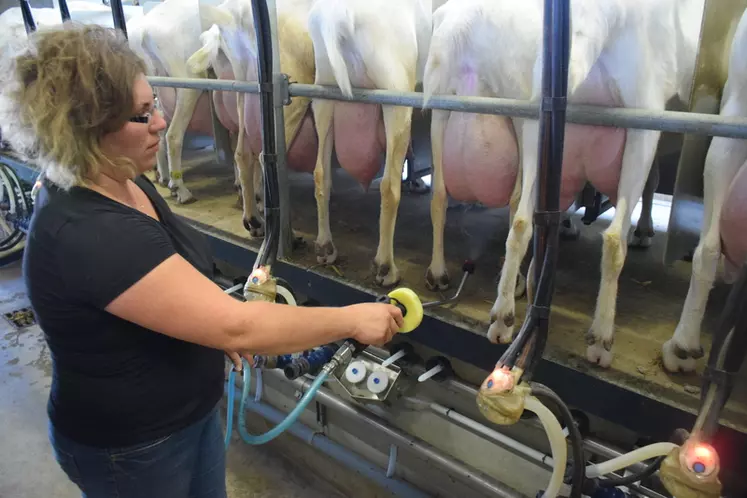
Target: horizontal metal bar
<point x="429" y="453"/>
<point x="205" y="84"/>
<point x="669" y="121"/>
<point x="481" y="105"/>
<point x="320" y="441"/>
<point x="652" y="416"/>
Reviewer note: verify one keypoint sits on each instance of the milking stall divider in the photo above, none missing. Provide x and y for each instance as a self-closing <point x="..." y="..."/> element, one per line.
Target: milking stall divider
<point x="522" y="360"/>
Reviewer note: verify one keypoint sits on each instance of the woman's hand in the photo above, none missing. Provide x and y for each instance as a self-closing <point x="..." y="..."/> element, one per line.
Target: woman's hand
<point x="236" y="360"/>
<point x="374" y="323"/>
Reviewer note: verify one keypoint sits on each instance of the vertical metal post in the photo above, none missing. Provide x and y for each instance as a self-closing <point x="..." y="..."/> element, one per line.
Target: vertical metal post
<point x="64" y="11"/>
<point x="556" y="50"/>
<point x="526" y="350"/>
<point x="118" y="16"/>
<point x="28" y="17"/>
<point x="269" y="250"/>
<point x="279" y="82"/>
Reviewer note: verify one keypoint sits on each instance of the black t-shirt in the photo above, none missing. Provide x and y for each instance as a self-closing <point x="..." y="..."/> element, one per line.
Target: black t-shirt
<point x="114" y="383"/>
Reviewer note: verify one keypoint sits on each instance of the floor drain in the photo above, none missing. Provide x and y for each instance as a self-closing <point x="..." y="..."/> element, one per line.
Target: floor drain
<point x="21" y="318"/>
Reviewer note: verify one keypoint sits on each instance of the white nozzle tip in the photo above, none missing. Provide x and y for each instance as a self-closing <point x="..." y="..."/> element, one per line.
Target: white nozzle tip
<point x="377" y="382"/>
<point x="355" y="372"/>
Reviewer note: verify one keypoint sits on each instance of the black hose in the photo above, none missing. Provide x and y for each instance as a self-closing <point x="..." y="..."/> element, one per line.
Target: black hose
<point x="556" y="50"/>
<point x="269" y="249"/>
<point x="543" y="292"/>
<point x="534" y="355"/>
<point x="508" y="358"/>
<point x="64" y="11"/>
<point x="648" y="471"/>
<point x="577" y="442"/>
<point x="28" y="17"/>
<point x="730" y="314"/>
<point x="728" y="350"/>
<point x="118" y="16"/>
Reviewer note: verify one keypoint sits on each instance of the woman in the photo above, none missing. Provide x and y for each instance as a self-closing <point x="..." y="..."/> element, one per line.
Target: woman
<point x="121" y="287"/>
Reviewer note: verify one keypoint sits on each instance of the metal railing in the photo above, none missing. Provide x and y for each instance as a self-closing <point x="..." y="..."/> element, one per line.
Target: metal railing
<point x="621" y="117"/>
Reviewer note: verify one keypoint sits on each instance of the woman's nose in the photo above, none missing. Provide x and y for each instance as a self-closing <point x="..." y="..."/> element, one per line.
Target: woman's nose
<point x="157" y="122"/>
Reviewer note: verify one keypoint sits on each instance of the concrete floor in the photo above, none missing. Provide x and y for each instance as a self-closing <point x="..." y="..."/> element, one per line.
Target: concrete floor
<point x="25" y="370"/>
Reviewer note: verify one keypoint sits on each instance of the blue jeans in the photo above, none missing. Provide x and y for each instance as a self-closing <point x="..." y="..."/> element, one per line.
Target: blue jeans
<point x="190" y="463"/>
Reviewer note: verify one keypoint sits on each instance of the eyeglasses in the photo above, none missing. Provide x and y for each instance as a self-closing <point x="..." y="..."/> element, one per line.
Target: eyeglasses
<point x="145" y="117"/>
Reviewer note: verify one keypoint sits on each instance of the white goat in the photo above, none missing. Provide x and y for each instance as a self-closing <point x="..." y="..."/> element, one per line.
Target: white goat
<point x="231" y="49"/>
<point x="725" y="217"/>
<point x="476" y="157"/>
<point x="633" y="53"/>
<point x="375" y="44"/>
<point x="165" y="37"/>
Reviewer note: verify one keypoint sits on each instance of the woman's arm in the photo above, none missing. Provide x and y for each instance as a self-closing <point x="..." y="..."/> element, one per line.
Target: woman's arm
<point x="177" y="300"/>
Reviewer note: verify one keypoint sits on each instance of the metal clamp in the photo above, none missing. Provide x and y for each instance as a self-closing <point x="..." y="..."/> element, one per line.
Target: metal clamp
<point x="541" y="312"/>
<point x="282" y="90"/>
<point x="547" y="218"/>
<point x="553" y="104"/>
<point x="720" y="377"/>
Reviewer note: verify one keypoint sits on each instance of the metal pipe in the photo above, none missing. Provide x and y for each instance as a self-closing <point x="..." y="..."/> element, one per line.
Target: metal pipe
<point x="338" y="452"/>
<point x="479" y="429"/>
<point x="268" y="251"/>
<point x="205" y="84"/>
<point x="593" y="446"/>
<point x="118" y="16"/>
<point x="64" y="11"/>
<point x="668" y="121"/>
<point x="28" y="17"/>
<point x="543" y="460"/>
<point x="644" y="119"/>
<point x="285" y="236"/>
<point x="556" y="51"/>
<point x="468" y="476"/>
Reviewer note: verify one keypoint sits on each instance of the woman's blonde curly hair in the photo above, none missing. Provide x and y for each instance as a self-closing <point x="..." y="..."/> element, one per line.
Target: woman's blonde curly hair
<point x="61" y="91"/>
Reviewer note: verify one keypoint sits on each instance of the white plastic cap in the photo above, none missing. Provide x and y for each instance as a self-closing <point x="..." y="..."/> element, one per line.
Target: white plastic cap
<point x="356" y="372"/>
<point x="377" y="382"/>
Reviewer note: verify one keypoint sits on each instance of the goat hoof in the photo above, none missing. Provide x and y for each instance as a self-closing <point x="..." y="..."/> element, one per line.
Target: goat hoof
<point x="326" y="252"/>
<point x="386" y="274"/>
<point x="254" y="227"/>
<point x="435" y="282"/>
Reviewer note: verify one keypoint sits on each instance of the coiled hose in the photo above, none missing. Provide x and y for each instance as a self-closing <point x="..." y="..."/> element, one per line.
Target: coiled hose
<point x="277" y="430"/>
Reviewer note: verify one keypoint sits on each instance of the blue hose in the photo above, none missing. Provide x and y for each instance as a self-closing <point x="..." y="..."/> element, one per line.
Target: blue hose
<point x="277" y="430"/>
<point x="231" y="403"/>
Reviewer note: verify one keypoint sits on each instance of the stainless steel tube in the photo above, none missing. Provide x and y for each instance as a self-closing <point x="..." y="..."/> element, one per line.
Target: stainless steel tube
<point x="669" y="121"/>
<point x="347" y="457"/>
<point x="540" y="458"/>
<point x="591" y="445"/>
<point x="468" y="476"/>
<point x="477" y="428"/>
<point x="286" y="234"/>
<point x="205" y="84"/>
